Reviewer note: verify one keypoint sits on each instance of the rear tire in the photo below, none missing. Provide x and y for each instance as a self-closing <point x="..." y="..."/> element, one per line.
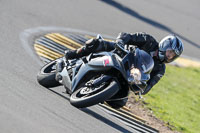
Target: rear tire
<point x="46" y="76"/>
<point x="100" y="96"/>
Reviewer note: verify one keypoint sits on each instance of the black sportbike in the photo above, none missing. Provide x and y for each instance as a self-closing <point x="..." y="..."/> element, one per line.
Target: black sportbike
<point x="99" y="77"/>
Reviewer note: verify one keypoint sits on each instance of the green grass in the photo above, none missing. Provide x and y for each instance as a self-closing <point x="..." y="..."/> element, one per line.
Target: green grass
<point x="176" y="99"/>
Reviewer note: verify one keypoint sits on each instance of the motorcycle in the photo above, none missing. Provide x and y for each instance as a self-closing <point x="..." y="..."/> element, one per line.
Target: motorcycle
<point x="99" y="77"/>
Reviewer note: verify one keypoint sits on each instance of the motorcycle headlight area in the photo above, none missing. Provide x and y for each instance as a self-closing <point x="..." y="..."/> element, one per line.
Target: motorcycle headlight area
<point x="138" y="78"/>
<point x="136" y="74"/>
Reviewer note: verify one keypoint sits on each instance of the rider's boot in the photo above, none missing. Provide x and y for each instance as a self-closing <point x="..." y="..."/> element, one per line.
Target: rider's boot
<point x="89" y="47"/>
<point x="69" y="54"/>
<point x="73" y="54"/>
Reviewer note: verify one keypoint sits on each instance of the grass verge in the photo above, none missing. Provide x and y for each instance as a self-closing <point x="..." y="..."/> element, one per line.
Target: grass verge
<point x="176" y="99"/>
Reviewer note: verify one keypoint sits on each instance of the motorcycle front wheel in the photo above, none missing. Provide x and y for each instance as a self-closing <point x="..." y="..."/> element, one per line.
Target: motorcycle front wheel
<point x="87" y="96"/>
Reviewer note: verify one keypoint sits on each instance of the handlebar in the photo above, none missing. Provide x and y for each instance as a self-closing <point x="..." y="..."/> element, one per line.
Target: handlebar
<point x="119" y="47"/>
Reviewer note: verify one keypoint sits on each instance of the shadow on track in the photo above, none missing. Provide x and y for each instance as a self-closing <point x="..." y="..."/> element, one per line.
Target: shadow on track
<point x="105" y="120"/>
<point x="95" y="115"/>
<point x="153" y="23"/>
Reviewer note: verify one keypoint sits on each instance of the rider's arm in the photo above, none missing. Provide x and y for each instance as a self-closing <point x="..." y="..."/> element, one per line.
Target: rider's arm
<point x="139" y="39"/>
<point x="155" y="77"/>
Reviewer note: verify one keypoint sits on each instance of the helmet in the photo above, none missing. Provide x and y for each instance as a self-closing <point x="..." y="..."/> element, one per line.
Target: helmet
<point x="170" y="48"/>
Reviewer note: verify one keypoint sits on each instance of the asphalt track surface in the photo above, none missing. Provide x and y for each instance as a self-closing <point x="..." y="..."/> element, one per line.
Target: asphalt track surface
<point x="25" y="106"/>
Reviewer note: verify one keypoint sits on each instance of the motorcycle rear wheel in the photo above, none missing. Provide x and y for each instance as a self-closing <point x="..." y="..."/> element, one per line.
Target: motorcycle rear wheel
<point x="46" y="75"/>
<point x="105" y="92"/>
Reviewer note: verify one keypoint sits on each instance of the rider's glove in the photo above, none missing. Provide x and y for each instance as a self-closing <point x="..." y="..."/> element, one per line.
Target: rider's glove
<point x="120" y="43"/>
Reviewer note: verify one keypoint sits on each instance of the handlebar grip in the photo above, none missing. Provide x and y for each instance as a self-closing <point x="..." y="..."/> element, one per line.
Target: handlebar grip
<point x="120" y="47"/>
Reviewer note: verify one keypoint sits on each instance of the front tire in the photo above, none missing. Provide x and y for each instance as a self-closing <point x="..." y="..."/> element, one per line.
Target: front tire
<point x="81" y="101"/>
<point x="46" y="76"/>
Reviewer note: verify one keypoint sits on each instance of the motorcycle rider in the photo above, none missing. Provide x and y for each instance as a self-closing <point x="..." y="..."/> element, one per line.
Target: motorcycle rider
<point x="166" y="51"/>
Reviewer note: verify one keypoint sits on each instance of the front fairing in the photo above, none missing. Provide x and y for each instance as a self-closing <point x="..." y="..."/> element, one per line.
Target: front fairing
<point x="141" y="60"/>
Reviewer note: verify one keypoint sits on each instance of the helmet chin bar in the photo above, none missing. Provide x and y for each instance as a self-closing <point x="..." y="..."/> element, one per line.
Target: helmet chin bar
<point x="166" y="60"/>
<point x="163" y="58"/>
<point x="162" y="55"/>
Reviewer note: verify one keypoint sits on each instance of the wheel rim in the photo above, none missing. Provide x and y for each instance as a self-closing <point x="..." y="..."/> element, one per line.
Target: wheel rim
<point x="89" y="90"/>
